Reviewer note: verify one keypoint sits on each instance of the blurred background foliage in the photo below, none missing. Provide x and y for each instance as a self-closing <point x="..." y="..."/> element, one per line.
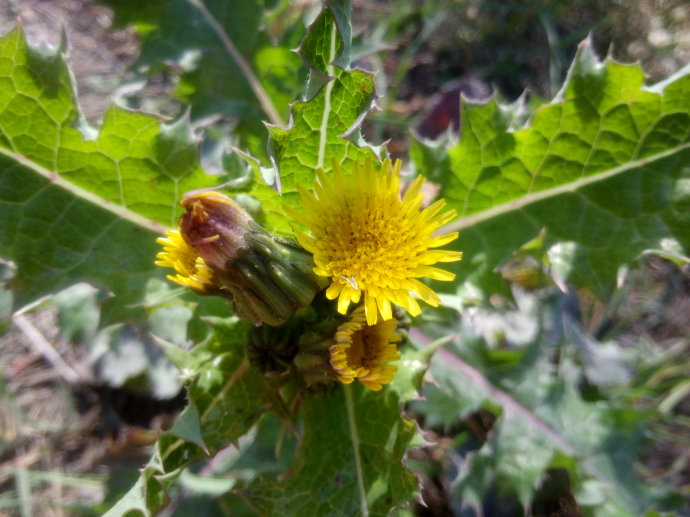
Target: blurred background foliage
<point x="608" y="379"/>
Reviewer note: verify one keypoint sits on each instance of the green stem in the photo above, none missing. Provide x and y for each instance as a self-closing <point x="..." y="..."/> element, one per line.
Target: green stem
<point x="349" y="404"/>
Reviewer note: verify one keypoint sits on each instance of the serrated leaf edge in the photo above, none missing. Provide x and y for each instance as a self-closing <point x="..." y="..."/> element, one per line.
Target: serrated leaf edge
<point x="157" y="461"/>
<point x="239" y="372"/>
<point x="511" y="404"/>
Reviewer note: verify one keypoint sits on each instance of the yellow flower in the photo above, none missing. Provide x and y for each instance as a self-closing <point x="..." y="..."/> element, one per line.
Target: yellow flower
<point x="192" y="271"/>
<point x="220" y="250"/>
<point x="369" y="240"/>
<point x="362" y="351"/>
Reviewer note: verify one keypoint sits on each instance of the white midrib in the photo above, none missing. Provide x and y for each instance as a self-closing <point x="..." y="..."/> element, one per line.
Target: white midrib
<point x="323" y="130"/>
<point x="541" y="195"/>
<point x="120" y="211"/>
<point x="354" y="436"/>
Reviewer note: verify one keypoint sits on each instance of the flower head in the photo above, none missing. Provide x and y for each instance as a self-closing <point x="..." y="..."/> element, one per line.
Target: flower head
<point x="191" y="270"/>
<point x="220" y="250"/>
<point x="362" y="351"/>
<point x="215" y="226"/>
<point x="370" y="241"/>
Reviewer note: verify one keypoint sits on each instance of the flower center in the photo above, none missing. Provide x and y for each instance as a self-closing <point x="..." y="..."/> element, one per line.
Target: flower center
<point x="370" y="243"/>
<point x="361" y="353"/>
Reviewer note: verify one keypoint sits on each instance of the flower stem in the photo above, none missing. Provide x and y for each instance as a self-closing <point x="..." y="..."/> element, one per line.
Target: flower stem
<point x="349" y="404"/>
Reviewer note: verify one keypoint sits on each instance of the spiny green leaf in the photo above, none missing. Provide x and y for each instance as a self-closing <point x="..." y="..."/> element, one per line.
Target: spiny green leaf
<point x="342" y="14"/>
<point x="226" y="399"/>
<point x="604" y="168"/>
<point x="350" y="458"/>
<point x="324" y="126"/>
<point x="542" y="416"/>
<point x="212" y="82"/>
<point x="315" y="136"/>
<point x="188" y="426"/>
<point x="133" y="162"/>
<point x="329" y="39"/>
<point x="229" y="396"/>
<point x="77" y="209"/>
<point x="177" y="355"/>
<point x="143" y="498"/>
<point x="322" y="44"/>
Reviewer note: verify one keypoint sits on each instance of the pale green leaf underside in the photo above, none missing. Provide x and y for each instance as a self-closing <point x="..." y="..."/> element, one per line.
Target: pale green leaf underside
<point x="131" y="162"/>
<point x="605" y="168"/>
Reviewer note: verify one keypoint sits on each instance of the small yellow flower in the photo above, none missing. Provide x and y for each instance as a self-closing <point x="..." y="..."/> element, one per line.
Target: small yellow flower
<point x="220" y="250"/>
<point x="362" y="351"/>
<point x="192" y="271"/>
<point x="369" y="240"/>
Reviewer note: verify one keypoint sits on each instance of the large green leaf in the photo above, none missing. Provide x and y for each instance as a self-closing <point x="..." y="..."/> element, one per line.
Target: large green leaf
<point x="350" y="460"/>
<point x="77" y="208"/>
<point x="323" y="127"/>
<point x="352" y="437"/>
<point x="604" y="168"/>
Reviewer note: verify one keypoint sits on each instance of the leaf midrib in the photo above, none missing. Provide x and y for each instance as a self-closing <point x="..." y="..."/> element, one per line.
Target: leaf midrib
<point x="541" y="195"/>
<point x="323" y="130"/>
<point x="354" y="437"/>
<point x="120" y="211"/>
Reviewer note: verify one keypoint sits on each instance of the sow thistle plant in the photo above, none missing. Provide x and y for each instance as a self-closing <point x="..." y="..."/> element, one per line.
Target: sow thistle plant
<point x="371" y="242"/>
<point x="303" y="332"/>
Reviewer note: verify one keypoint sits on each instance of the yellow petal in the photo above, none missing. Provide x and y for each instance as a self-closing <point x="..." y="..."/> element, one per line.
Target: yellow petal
<point x="370" y="309"/>
<point x="334" y="290"/>
<point x="343" y="304"/>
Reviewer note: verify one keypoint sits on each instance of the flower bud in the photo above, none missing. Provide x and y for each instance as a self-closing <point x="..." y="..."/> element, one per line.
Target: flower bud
<point x="215" y="226"/>
<point x="271" y="349"/>
<point x="313" y="356"/>
<point x="268" y="278"/>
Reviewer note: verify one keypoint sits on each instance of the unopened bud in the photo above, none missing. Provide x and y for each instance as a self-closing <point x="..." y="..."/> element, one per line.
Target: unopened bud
<point x="271" y="349"/>
<point x="215" y="226"/>
<point x="268" y="278"/>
